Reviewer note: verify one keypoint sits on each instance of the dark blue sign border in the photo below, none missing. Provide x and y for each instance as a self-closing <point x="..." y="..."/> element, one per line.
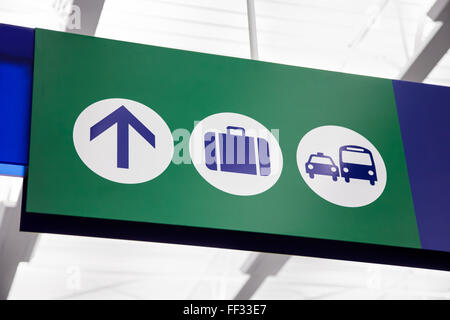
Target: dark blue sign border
<point x="16" y="74"/>
<point x="424" y="116"/>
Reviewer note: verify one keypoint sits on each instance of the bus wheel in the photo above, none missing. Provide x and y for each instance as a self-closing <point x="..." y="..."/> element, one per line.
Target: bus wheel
<point x="347" y="179"/>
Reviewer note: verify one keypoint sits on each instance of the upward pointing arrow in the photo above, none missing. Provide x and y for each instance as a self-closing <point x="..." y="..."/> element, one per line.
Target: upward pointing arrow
<point x="124" y="119"/>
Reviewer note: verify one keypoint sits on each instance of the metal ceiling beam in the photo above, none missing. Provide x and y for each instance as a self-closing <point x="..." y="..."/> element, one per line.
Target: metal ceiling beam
<point x="84" y="16"/>
<point x="251" y="16"/>
<point x="433" y="48"/>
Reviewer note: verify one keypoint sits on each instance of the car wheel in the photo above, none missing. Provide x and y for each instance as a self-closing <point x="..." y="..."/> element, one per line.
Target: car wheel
<point x="372" y="182"/>
<point x="311" y="175"/>
<point x="334" y="178"/>
<point x="347" y="179"/>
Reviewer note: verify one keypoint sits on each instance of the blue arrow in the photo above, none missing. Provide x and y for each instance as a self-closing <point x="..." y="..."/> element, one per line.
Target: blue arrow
<point x="124" y="119"/>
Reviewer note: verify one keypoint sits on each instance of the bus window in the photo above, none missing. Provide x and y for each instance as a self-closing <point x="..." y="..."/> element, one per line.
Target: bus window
<point x="357" y="157"/>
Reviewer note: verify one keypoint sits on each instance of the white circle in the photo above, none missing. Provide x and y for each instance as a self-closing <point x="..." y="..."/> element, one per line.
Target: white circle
<point x="100" y="154"/>
<point x="230" y="177"/>
<point x="350" y="184"/>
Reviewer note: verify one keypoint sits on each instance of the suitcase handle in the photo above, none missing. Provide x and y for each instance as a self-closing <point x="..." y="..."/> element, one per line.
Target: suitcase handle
<point x="235" y="128"/>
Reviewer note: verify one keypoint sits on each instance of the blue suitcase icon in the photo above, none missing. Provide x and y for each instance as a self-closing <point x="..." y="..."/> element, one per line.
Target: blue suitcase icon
<point x="237" y="153"/>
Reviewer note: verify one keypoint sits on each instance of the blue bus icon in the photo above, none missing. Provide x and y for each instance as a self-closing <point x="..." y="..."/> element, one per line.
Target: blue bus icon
<point x="321" y="164"/>
<point x="357" y="162"/>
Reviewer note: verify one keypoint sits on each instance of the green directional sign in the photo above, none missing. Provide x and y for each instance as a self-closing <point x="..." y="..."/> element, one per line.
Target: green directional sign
<point x="137" y="133"/>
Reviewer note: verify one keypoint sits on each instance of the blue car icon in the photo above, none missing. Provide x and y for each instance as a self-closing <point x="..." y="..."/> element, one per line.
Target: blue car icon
<point x="357" y="162"/>
<point x="321" y="164"/>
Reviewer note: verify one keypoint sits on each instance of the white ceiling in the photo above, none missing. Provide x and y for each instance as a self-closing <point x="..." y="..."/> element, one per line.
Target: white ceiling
<point x="358" y="36"/>
<point x="370" y="37"/>
<point x="67" y="267"/>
